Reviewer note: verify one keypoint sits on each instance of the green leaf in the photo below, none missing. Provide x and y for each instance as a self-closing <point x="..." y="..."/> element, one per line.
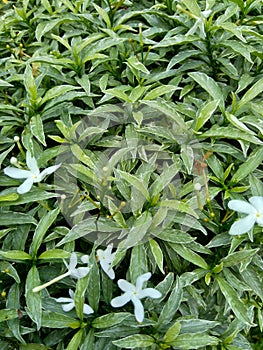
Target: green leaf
<point x="36" y="127"/>
<point x="173" y="236"/>
<point x="205" y="114"/>
<point x="103" y="14"/>
<point x="4" y="83"/>
<point x="237" y="123"/>
<point x="172" y="332"/>
<point x="138" y="231"/>
<point x="119" y="94"/>
<point x="133" y="62"/>
<point x="134" y="181"/>
<point x="93" y="290"/>
<point x="209" y="85"/>
<point x="45" y="222"/>
<point x="16" y="255"/>
<point x="79" y="297"/>
<point x="233" y="300"/>
<point x="7" y="218"/>
<point x="134" y="341"/>
<point x="8" y="314"/>
<point x="238" y="257"/>
<point x="178" y="205"/>
<point x="194" y="341"/>
<point x="193" y="7"/>
<point x="6" y="267"/>
<point x="171" y="306"/>
<point x="4" y="154"/>
<point x="229" y="132"/>
<point x="251" y="164"/>
<point x="110" y="320"/>
<point x="57" y="91"/>
<point x="36" y="194"/>
<point x="33" y="300"/>
<point x="54" y="254"/>
<point x="240" y="48"/>
<point x="29" y="83"/>
<point x="52" y="319"/>
<point x="189" y="255"/>
<point x="157" y="253"/>
<point x="159" y="91"/>
<point x="75" y="340"/>
<point x="138" y="262"/>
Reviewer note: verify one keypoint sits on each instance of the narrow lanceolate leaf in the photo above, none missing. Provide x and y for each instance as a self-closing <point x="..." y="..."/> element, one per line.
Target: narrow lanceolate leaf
<point x="134" y="341"/>
<point x="52" y="319"/>
<point x="138" y="262"/>
<point x="76" y="340"/>
<point x="37" y="129"/>
<point x="45" y="222"/>
<point x="172" y="332"/>
<point x="253" y="92"/>
<point x="157" y="253"/>
<point x="109" y="320"/>
<point x="194" y="341"/>
<point x="254" y="160"/>
<point x="189" y="255"/>
<point x="93" y="290"/>
<point x="33" y="300"/>
<point x="134" y="181"/>
<point x="171" y="305"/>
<point x="7" y="219"/>
<point x="232" y="298"/>
<point x="15" y="255"/>
<point x="205" y="114"/>
<point x="8" y="314"/>
<point x="9" y="269"/>
<point x="209" y="85"/>
<point x="56" y="92"/>
<point x="159" y="91"/>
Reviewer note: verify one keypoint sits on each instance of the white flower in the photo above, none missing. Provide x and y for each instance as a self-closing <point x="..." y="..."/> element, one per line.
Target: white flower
<point x="106" y="258"/>
<point x="135" y="294"/>
<point x="32" y="175"/>
<point x="74" y="272"/>
<point x="69" y="304"/>
<point x="254" y="211"/>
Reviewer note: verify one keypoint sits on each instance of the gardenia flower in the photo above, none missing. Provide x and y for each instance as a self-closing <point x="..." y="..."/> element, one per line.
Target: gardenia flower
<point x="106" y="258"/>
<point x="32" y="175"/>
<point x="254" y="211"/>
<point x="135" y="294"/>
<point x="74" y="272"/>
<point x="69" y="304"/>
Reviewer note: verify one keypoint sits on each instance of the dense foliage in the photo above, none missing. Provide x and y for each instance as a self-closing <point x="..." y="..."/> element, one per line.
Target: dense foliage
<point x="134" y="130"/>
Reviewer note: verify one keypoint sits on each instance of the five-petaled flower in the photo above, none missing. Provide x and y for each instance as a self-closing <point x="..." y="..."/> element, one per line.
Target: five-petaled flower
<point x="135" y="293"/>
<point x="106" y="258"/>
<point x="74" y="272"/>
<point x="31" y="176"/>
<point x="254" y="213"/>
<point x="69" y="304"/>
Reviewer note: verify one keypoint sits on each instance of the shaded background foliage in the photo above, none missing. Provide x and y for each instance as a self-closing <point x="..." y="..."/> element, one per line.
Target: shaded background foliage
<point x="198" y="65"/>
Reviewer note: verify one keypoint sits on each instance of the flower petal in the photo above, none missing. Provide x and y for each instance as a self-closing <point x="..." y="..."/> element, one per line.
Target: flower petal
<point x="68" y="307"/>
<point x="121" y="300"/>
<point x="126" y="286"/>
<point x="17" y="173"/>
<point x="138" y="309"/>
<point x="257" y="202"/>
<point x="242" y="225"/>
<point x="241" y="206"/>
<point x="26" y="186"/>
<point x="64" y="300"/>
<point x="48" y="171"/>
<point x="149" y="292"/>
<point x="31" y="162"/>
<point x="87" y="309"/>
<point x="106" y="267"/>
<point x="73" y="261"/>
<point x="80" y="272"/>
<point x="141" y="279"/>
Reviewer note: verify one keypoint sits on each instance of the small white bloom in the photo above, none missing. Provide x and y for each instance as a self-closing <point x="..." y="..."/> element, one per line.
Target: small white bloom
<point x="74" y="272"/>
<point x="135" y="294"/>
<point x="13" y="160"/>
<point x="69" y="304"/>
<point x="106" y="258"/>
<point x="16" y="138"/>
<point x="254" y="211"/>
<point x="32" y="175"/>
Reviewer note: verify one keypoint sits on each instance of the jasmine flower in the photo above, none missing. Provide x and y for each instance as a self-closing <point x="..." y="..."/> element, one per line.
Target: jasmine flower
<point x="69" y="304"/>
<point x="32" y="175"/>
<point x="106" y="258"/>
<point x="72" y="271"/>
<point x="135" y="294"/>
<point x="254" y="211"/>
